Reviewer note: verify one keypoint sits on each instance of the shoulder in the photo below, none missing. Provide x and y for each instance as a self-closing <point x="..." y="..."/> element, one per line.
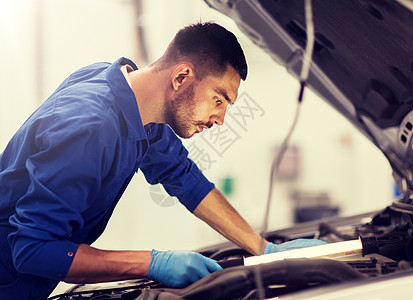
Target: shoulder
<point x="79" y="115"/>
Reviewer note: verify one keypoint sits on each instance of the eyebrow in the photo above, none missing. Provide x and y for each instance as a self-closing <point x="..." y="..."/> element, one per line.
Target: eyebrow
<point x="224" y="94"/>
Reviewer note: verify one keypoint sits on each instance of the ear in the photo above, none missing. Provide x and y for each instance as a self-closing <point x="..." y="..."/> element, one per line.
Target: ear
<point x="182" y="75"/>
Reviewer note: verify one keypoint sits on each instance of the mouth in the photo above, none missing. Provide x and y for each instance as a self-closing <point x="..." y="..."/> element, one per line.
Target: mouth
<point x="201" y="126"/>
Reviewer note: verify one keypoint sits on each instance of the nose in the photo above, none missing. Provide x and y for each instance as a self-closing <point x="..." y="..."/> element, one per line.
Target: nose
<point x="218" y="118"/>
<point x="219" y="121"/>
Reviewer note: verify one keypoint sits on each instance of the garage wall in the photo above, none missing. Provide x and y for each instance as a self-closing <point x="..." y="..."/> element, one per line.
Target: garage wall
<point x="18" y="90"/>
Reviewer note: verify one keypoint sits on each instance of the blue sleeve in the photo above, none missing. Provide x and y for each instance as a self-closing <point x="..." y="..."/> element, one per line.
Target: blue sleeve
<point x="62" y="184"/>
<point x="167" y="162"/>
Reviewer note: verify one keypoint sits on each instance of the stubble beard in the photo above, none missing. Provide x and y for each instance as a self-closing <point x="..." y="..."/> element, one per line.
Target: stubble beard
<point x="178" y="113"/>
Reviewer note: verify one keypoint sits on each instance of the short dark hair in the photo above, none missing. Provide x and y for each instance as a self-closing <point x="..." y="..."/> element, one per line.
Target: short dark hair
<point x="209" y="47"/>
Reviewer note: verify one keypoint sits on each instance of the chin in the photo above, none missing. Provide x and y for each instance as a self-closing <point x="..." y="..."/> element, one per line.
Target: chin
<point x="185" y="135"/>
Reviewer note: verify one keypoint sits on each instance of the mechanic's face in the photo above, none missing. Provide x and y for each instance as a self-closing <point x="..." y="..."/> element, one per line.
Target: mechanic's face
<point x="202" y="104"/>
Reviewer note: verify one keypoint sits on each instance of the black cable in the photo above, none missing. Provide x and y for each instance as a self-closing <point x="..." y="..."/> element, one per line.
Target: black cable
<point x="305" y="71"/>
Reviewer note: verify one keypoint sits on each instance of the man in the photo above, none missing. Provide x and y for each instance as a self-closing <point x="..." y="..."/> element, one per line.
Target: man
<point x="65" y="169"/>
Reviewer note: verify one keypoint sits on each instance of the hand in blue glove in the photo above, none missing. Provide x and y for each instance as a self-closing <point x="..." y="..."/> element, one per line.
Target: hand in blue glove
<point x="291" y="245"/>
<point x="179" y="269"/>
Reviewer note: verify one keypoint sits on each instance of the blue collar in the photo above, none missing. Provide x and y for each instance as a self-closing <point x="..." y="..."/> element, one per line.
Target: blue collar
<point x="125" y="97"/>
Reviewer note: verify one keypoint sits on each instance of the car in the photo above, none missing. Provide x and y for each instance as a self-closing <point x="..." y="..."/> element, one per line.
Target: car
<point x="362" y="65"/>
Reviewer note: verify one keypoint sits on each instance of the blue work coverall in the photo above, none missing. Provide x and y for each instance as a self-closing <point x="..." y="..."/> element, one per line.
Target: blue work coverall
<point x="65" y="169"/>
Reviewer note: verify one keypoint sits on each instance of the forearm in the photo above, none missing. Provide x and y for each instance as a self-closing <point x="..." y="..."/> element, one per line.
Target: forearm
<point x="217" y="212"/>
<point x="92" y="265"/>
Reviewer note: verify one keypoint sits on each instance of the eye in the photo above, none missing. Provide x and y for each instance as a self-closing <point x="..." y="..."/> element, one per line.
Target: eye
<point x="217" y="100"/>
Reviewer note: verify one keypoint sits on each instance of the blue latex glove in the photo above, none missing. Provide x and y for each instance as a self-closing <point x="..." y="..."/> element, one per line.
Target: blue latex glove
<point x="179" y="269"/>
<point x="291" y="245"/>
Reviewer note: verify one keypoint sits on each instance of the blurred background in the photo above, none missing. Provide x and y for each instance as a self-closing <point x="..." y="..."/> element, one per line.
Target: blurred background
<point x="329" y="169"/>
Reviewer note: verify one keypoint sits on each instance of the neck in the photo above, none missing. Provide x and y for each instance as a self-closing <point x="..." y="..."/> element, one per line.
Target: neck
<point x="147" y="85"/>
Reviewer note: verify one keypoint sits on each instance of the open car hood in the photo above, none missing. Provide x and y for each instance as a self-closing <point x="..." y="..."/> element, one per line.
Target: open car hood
<point x="362" y="63"/>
